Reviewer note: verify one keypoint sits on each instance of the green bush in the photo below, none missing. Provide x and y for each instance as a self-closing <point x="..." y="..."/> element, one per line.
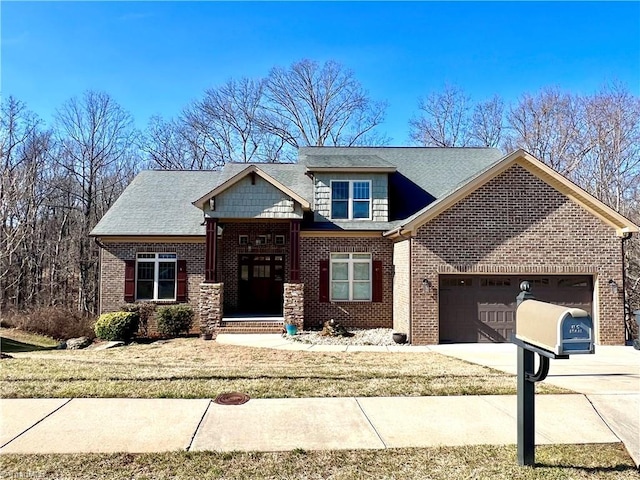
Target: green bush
<point x="117" y="326"/>
<point x="175" y="319"/>
<point x="145" y="311"/>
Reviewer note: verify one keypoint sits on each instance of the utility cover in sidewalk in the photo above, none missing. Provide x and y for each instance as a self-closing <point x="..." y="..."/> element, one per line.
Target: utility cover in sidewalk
<point x="233" y="398"/>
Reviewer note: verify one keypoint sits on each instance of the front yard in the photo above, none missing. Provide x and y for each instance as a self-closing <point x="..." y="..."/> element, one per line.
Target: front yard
<point x="194" y="368"/>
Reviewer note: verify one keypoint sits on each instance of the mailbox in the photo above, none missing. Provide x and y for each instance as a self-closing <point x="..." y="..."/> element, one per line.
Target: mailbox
<point x="558" y="329"/>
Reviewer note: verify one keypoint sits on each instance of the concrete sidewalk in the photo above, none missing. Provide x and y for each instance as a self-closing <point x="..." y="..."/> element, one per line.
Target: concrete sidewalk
<point x="87" y="425"/>
<point x="606" y="410"/>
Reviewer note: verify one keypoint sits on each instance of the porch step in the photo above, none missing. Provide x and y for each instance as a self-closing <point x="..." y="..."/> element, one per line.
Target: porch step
<point x="251" y="325"/>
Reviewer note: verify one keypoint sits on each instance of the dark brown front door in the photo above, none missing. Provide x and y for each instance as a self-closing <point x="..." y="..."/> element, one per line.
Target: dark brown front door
<point x="482" y="308"/>
<point x="260" y="283"/>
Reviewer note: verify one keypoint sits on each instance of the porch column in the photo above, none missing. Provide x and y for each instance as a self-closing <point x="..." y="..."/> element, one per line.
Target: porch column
<point x="210" y="253"/>
<point x="294" y="250"/>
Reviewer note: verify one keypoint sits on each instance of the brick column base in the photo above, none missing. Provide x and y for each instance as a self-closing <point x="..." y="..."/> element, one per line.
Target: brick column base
<point x="210" y="306"/>
<point x="293" y="308"/>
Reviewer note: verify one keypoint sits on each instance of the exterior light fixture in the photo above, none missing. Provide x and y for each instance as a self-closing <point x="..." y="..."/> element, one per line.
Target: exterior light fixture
<point x="426" y="285"/>
<point x="613" y="286"/>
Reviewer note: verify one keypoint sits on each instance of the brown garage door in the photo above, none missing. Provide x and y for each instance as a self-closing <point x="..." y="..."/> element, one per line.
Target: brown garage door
<point x="482" y="308"/>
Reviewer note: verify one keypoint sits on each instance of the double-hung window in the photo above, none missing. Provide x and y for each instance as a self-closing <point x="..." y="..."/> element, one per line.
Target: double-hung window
<point x="350" y="199"/>
<point x="156" y="276"/>
<point x="350" y="277"/>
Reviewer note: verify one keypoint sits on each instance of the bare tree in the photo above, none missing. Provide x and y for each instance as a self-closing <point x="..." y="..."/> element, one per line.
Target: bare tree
<point x="444" y="119"/>
<point x="487" y="122"/>
<point x="549" y="125"/>
<point x="610" y="168"/>
<point x="229" y="118"/>
<point x="96" y="137"/>
<point x="23" y="150"/>
<point x="309" y="104"/>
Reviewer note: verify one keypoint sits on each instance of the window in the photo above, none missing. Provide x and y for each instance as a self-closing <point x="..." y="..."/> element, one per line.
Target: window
<point x="262" y="240"/>
<point x="156" y="276"/>
<point x="350" y="200"/>
<point x="350" y="276"/>
<point x="243" y="239"/>
<point x="280" y="240"/>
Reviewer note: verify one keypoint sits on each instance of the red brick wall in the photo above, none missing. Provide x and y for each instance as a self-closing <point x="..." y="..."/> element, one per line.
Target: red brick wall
<point x="350" y="314"/>
<point x="114" y="255"/>
<point x="516" y="224"/>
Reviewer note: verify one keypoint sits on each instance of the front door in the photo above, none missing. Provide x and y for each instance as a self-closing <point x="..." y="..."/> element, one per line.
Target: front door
<point x="260" y="283"/>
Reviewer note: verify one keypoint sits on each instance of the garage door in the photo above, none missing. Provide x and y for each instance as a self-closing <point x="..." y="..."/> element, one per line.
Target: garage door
<point x="482" y="309"/>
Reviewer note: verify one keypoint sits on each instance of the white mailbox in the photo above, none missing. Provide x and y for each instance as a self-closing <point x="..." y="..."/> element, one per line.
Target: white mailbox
<point x="558" y="329"/>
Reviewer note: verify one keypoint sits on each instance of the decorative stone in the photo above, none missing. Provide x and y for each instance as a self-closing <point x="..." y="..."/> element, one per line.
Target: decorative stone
<point x="210" y="305"/>
<point x="293" y="304"/>
<point x="332" y="328"/>
<point x="78" y="343"/>
<point x="107" y="345"/>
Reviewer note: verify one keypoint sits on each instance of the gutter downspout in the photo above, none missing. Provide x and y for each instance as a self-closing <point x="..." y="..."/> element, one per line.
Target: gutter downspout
<point x="627" y="313"/>
<point x="102" y="247"/>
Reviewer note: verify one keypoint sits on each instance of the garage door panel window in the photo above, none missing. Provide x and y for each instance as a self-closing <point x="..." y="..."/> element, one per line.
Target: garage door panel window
<point x="350" y="277"/>
<point x="156" y="276"/>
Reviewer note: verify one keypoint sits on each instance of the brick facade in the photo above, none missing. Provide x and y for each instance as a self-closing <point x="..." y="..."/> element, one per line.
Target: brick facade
<point x="402" y="287"/>
<point x="350" y="314"/>
<point x="516" y="223"/>
<point x="112" y="259"/>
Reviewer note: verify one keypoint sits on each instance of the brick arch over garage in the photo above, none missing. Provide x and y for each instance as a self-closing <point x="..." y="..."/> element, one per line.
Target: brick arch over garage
<point x="516" y="224"/>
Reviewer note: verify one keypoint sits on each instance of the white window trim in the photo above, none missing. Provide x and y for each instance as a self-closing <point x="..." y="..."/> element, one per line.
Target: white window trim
<point x="156" y="260"/>
<point x="350" y="200"/>
<point x="351" y="261"/>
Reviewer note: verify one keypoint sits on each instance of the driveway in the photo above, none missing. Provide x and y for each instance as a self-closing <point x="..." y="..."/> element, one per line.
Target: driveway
<point x="610" y="379"/>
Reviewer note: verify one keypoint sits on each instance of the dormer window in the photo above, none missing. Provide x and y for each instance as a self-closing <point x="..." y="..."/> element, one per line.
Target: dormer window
<point x="350" y="200"/>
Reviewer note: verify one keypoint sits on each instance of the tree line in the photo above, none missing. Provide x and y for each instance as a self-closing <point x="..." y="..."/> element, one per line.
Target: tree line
<point x="58" y="180"/>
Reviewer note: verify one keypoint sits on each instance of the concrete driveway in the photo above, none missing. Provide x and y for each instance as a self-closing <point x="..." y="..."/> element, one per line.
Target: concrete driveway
<point x="610" y="379"/>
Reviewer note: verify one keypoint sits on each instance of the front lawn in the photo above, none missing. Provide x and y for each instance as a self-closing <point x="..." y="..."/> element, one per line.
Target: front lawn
<point x="555" y="462"/>
<point x="194" y="368"/>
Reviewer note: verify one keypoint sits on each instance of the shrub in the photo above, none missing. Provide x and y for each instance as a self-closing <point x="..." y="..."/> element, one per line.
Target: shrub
<point x="175" y="319"/>
<point x="117" y="326"/>
<point x="145" y="311"/>
<point x="54" y="322"/>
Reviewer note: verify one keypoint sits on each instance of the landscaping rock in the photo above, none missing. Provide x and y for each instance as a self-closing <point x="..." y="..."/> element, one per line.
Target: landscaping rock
<point x="107" y="345"/>
<point x="61" y="346"/>
<point x="78" y="343"/>
<point x="335" y="329"/>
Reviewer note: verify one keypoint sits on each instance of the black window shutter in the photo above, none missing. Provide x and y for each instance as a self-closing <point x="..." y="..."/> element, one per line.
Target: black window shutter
<point x="181" y="295"/>
<point x="129" y="280"/>
<point x="324" y="280"/>
<point x="377" y="281"/>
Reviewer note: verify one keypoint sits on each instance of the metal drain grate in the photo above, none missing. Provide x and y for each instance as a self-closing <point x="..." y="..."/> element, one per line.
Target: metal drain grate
<point x="233" y="398"/>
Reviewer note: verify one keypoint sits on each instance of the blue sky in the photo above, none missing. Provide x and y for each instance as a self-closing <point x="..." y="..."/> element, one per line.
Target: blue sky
<point x="156" y="57"/>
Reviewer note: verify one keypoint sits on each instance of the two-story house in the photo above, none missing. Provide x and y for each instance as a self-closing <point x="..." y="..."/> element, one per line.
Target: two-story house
<point x="431" y="242"/>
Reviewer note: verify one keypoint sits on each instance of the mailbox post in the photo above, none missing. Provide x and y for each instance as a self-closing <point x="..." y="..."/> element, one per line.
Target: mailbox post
<point x="551" y="331"/>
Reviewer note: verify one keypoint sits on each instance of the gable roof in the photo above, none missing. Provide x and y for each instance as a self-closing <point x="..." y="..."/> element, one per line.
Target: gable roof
<point x="587" y="201"/>
<point x="288" y="175"/>
<point x="158" y="202"/>
<point x="422" y="174"/>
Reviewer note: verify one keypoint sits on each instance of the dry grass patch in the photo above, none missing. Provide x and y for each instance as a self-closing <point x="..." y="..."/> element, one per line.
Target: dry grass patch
<point x="555" y="462"/>
<point x="193" y="368"/>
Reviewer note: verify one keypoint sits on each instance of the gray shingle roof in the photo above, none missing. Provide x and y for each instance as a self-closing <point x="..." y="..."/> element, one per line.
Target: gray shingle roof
<point x="345" y="161"/>
<point x="423" y="175"/>
<point x="159" y="202"/>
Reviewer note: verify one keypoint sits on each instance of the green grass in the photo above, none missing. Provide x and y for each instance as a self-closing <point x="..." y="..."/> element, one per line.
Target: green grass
<point x="194" y="368"/>
<point x="13" y="340"/>
<point x="554" y="462"/>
